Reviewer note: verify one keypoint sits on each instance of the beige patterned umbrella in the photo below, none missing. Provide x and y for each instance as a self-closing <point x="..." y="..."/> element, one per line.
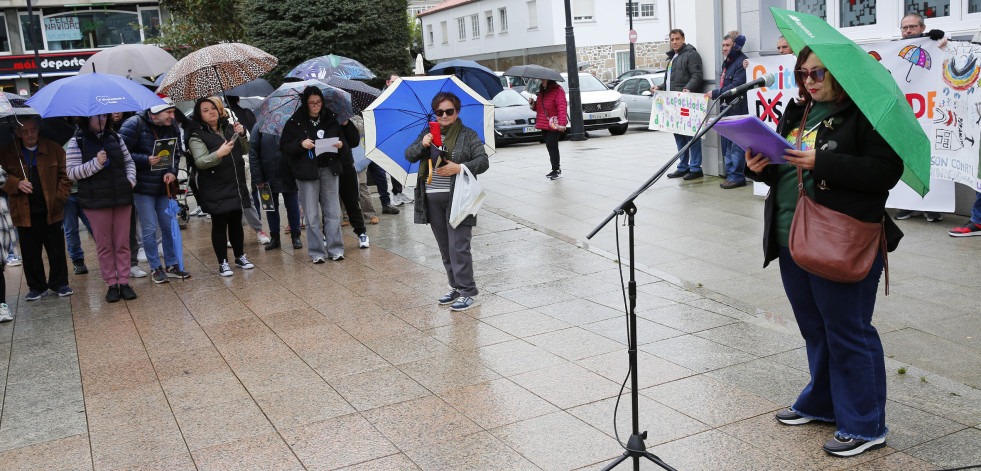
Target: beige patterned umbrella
<point x="215" y="69"/>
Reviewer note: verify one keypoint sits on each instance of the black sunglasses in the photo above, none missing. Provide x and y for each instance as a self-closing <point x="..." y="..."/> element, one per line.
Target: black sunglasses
<point x="447" y="112"/>
<point x="817" y="74"/>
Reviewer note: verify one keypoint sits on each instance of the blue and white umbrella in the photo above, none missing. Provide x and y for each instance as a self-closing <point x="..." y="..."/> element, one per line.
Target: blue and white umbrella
<point x="403" y="111"/>
<point x="92" y="94"/>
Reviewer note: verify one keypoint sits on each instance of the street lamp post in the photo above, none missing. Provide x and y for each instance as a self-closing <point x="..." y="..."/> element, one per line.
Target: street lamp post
<point x="575" y="101"/>
<point x="34" y="38"/>
<point x="630" y="16"/>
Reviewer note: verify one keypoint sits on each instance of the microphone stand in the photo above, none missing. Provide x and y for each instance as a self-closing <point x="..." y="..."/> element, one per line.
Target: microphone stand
<point x="635" y="444"/>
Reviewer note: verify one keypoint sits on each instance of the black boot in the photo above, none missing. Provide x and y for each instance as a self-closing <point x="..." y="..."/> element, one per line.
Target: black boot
<point x="113" y="295"/>
<point x="296" y="240"/>
<point x="273" y="241"/>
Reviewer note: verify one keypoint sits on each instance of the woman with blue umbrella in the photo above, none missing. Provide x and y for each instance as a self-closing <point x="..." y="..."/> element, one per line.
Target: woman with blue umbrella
<point x="317" y="170"/>
<point x="98" y="160"/>
<point x="434" y="193"/>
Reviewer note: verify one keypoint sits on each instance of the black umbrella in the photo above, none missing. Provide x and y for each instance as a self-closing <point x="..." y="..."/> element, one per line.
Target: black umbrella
<point x="257" y="87"/>
<point x="361" y="95"/>
<point x="534" y="71"/>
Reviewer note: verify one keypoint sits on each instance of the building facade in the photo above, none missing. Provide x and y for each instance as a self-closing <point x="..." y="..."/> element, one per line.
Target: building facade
<point x="67" y="34"/>
<point x="503" y="33"/>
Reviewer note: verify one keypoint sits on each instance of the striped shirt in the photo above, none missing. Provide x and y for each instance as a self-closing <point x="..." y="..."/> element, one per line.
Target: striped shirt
<point x="77" y="170"/>
<point x="440" y="184"/>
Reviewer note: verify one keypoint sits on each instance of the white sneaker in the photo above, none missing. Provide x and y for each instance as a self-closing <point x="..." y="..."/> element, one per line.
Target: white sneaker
<point x="397" y="200"/>
<point x="141" y="255"/>
<point x="363" y="241"/>
<point x="406" y="196"/>
<point x="196" y="212"/>
<point x="263" y="237"/>
<point x="136" y="272"/>
<point x="244" y="263"/>
<point x="14" y="261"/>
<point x="5" y="315"/>
<point x="224" y="269"/>
<point x="228" y="244"/>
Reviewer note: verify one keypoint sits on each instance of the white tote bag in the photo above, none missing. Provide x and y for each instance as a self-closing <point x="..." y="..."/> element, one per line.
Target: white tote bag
<point x="467" y="196"/>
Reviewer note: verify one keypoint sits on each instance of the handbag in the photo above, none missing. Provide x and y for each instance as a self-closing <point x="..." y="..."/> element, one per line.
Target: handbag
<point x="831" y="244"/>
<point x="468" y="195"/>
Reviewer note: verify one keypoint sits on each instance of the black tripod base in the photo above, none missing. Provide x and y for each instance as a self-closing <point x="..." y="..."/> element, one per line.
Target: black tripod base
<point x="637" y="450"/>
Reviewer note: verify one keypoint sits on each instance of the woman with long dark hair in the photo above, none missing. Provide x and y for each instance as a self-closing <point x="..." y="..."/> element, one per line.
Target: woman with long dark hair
<point x="847" y="167"/>
<point x="552" y="119"/>
<point x="98" y="160"/>
<point x="317" y="175"/>
<point x="219" y="179"/>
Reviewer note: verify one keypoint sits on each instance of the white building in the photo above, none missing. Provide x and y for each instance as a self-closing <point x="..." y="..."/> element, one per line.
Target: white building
<point x="502" y="33"/>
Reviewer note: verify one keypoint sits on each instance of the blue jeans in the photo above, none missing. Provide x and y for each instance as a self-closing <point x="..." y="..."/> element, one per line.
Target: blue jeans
<point x="292" y="202"/>
<point x="73" y="212"/>
<point x="844" y="353"/>
<point x="151" y="211"/>
<point x="735" y="161"/>
<point x="692" y="160"/>
<point x="976" y="210"/>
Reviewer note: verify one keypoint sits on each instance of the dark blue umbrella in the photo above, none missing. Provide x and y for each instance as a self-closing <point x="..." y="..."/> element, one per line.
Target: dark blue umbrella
<point x="403" y="110"/>
<point x="483" y="80"/>
<point x="257" y="87"/>
<point x="331" y="66"/>
<point x="92" y="94"/>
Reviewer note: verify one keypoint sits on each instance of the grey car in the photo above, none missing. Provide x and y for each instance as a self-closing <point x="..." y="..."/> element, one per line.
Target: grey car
<point x="514" y="121"/>
<point x="636" y="92"/>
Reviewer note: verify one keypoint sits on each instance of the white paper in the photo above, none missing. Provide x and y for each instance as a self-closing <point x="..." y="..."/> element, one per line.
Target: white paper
<point x="326" y="145"/>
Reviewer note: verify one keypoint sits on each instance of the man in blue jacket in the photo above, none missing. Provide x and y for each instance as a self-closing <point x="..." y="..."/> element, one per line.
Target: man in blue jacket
<point x="733" y="75"/>
<point x="140" y="132"/>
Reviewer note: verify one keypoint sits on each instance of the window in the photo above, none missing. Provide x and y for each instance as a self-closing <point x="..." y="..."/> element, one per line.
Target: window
<point x="974" y="6"/>
<point x="642" y="10"/>
<point x="582" y="10"/>
<point x="857" y="13"/>
<point x="623" y="62"/>
<point x="490" y="22"/>
<point x="430" y="35"/>
<point x="446" y="34"/>
<point x="929" y="8"/>
<point x="629" y="87"/>
<point x="475" y="22"/>
<point x="4" y="39"/>
<point x="503" y="13"/>
<point x="532" y="15"/>
<point x="26" y="32"/>
<point x="90" y="29"/>
<point x="461" y="28"/>
<point x="817" y="8"/>
<point x="151" y="22"/>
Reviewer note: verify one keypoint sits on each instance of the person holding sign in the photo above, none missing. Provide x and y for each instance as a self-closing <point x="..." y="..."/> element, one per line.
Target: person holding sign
<point x="98" y="160"/>
<point x="154" y="142"/>
<point x="847" y="167"/>
<point x="684" y="74"/>
<point x="312" y="139"/>
<point x="454" y="145"/>
<point x="218" y="179"/>
<point x="733" y="75"/>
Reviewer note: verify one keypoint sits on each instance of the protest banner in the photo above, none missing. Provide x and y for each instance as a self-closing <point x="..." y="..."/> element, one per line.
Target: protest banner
<point x="677" y="112"/>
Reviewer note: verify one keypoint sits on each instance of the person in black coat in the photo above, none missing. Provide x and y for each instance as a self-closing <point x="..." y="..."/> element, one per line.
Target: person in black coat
<point x="270" y="168"/>
<point x="318" y="175"/>
<point x="218" y="177"/>
<point x="850" y="168"/>
<point x="733" y="75"/>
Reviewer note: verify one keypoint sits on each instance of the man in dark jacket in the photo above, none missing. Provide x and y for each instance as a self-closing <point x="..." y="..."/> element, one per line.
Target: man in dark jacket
<point x="685" y="75"/>
<point x="140" y="133"/>
<point x="38" y="186"/>
<point x="733" y="75"/>
<point x="270" y="168"/>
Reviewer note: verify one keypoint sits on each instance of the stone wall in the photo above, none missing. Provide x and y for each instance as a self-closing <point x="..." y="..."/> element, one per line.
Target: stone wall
<point x="602" y="59"/>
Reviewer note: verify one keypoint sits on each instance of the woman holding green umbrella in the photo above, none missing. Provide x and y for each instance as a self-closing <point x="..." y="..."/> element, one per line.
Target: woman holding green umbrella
<point x="850" y="168"/>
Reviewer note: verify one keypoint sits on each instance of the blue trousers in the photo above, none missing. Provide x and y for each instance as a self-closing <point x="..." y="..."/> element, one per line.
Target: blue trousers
<point x="381" y="180"/>
<point x="976" y="210"/>
<point x="735" y="161"/>
<point x="73" y="212"/>
<point x="844" y="353"/>
<point x="692" y="160"/>
<point x="151" y="212"/>
<point x="292" y="202"/>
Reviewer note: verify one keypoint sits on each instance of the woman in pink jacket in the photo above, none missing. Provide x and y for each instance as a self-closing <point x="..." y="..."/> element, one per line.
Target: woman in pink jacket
<point x="552" y="120"/>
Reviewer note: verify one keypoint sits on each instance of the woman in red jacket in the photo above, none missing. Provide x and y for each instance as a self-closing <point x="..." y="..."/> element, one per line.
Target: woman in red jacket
<point x="552" y="119"/>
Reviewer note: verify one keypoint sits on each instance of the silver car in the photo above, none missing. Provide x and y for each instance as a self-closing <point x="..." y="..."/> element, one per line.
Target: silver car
<point x="636" y="92"/>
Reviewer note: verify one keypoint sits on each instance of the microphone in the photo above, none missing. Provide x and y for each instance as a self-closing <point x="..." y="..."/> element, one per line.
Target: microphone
<point x="765" y="81"/>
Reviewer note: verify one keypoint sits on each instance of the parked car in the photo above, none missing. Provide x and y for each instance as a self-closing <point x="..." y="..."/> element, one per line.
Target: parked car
<point x="631" y="73"/>
<point x="636" y="92"/>
<point x="514" y="121"/>
<point x="602" y="108"/>
<point x="515" y="83"/>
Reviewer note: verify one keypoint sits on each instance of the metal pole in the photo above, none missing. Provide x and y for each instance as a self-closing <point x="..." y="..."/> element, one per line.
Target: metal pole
<point x="630" y="15"/>
<point x="575" y="100"/>
<point x="34" y="39"/>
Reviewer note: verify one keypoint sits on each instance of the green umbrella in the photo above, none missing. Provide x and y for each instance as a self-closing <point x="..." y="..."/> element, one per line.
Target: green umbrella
<point x="870" y="86"/>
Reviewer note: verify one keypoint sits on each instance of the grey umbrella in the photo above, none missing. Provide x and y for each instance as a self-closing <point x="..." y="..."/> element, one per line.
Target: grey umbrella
<point x="257" y="87"/>
<point x="130" y="61"/>
<point x="534" y="71"/>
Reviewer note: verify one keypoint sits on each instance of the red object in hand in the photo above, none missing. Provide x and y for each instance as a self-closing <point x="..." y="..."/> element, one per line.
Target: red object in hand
<point x="434" y="130"/>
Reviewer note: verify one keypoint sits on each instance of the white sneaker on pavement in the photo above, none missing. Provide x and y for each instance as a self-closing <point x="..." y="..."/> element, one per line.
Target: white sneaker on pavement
<point x="5" y="315"/>
<point x="136" y="272"/>
<point x="141" y="255"/>
<point x="263" y="237"/>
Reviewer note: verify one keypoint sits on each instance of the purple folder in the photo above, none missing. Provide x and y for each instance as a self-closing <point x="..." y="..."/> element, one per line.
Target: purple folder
<point x="748" y="132"/>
